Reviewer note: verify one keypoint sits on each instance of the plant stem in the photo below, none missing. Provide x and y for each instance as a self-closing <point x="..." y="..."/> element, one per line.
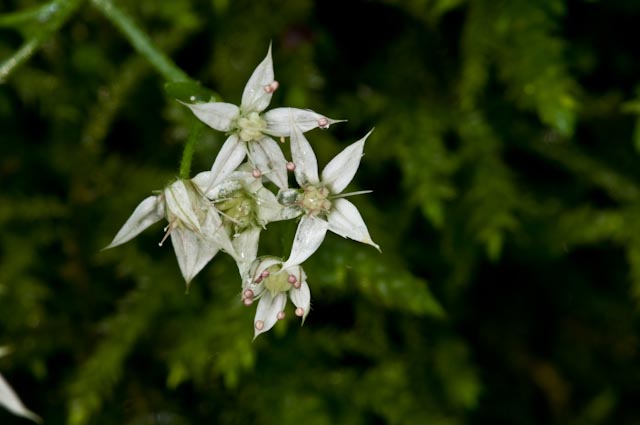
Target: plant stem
<point x="140" y="41"/>
<point x="35" y="15"/>
<point x="189" y="147"/>
<point x="60" y="11"/>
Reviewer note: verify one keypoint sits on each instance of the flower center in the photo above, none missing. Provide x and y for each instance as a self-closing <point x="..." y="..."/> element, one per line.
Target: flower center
<point x="251" y="126"/>
<point x="314" y="200"/>
<point x="276" y="282"/>
<point x="239" y="208"/>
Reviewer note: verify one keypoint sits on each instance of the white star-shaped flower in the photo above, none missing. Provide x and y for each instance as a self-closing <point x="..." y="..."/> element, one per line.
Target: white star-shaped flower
<point x="195" y="227"/>
<point x="246" y="207"/>
<point x="250" y="129"/>
<point x="270" y="281"/>
<point x="321" y="200"/>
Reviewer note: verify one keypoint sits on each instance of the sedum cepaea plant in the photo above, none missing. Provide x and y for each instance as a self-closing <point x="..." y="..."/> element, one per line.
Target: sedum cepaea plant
<point x="225" y="209"/>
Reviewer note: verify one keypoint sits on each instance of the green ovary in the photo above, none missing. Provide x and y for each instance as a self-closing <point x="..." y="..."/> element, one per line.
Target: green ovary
<point x="251" y="127"/>
<point x="240" y="209"/>
<point x="315" y="200"/>
<point x="276" y="282"/>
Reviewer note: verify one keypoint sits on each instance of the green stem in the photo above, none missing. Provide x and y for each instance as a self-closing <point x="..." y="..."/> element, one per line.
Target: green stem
<point x="36" y="15"/>
<point x="64" y="9"/>
<point x="141" y="41"/>
<point x="189" y="147"/>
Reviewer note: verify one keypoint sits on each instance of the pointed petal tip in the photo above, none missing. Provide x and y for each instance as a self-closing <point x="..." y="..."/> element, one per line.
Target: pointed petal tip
<point x="373" y="244"/>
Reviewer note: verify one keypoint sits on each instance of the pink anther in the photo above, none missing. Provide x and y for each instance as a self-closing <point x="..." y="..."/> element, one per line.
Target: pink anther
<point x="299" y="312"/>
<point x="291" y="166"/>
<point x="292" y="279"/>
<point x="259" y="325"/>
<point x="256" y="173"/>
<point x="280" y="315"/>
<point x="323" y="123"/>
<point x="248" y="293"/>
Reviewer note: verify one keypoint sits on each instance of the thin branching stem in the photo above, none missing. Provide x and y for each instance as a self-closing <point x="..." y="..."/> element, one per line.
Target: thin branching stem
<point x="141" y="41"/>
<point x="59" y="13"/>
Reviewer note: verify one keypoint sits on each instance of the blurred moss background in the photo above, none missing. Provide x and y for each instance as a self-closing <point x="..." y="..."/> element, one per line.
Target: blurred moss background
<point x="506" y="174"/>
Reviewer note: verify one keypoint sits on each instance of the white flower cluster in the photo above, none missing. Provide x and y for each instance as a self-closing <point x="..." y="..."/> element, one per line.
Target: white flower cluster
<point x="225" y="209"/>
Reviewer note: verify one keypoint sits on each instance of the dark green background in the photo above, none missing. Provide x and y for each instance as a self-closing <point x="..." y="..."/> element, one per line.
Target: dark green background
<point x="506" y="174"/>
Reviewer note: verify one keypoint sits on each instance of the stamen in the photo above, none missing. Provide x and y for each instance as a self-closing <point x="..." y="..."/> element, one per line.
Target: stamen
<point x="248" y="293"/>
<point x="167" y="231"/>
<point x="259" y="325"/>
<point x="323" y="123"/>
<point x="256" y="173"/>
<point x="265" y="274"/>
<point x="299" y="312"/>
<point x="291" y="166"/>
<point x="247" y="301"/>
<point x="292" y="279"/>
<point x="280" y="315"/>
<point x="297" y="285"/>
<point x="281" y="139"/>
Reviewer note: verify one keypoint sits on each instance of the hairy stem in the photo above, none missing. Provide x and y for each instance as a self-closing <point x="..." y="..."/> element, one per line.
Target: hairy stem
<point x="187" y="153"/>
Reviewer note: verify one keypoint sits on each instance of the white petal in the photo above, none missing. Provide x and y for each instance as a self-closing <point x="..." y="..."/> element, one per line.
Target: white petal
<point x="269" y="209"/>
<point x="217" y="115"/>
<point x="268" y="309"/>
<point x="267" y="156"/>
<point x="202" y="180"/>
<point x="279" y="121"/>
<point x="148" y="212"/>
<point x="180" y="205"/>
<point x="214" y="232"/>
<point x="309" y="236"/>
<point x="346" y="221"/>
<point x="192" y="252"/>
<point x="245" y="245"/>
<point x="10" y="400"/>
<point x="340" y="170"/>
<point x="304" y="158"/>
<point x="301" y="297"/>
<point x="254" y="96"/>
<point x="230" y="156"/>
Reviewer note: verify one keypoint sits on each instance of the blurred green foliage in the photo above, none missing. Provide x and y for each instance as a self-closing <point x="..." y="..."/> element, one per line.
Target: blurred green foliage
<point x="506" y="201"/>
